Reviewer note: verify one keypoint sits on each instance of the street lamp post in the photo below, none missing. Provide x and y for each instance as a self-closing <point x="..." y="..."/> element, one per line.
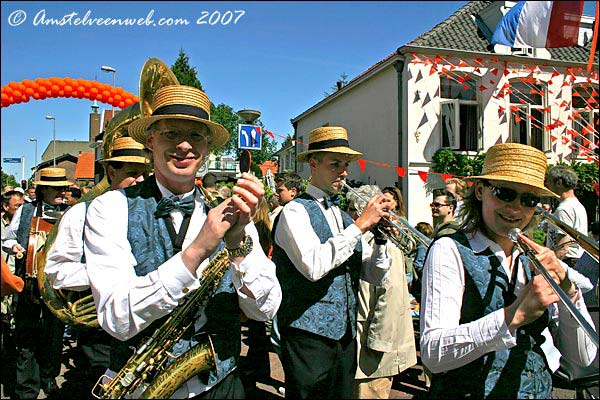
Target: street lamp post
<point x="106" y="68"/>
<point x="35" y="159"/>
<point x="53" y="137"/>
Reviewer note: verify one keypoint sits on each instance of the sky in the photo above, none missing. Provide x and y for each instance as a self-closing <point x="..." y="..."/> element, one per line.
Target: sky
<point x="275" y="57"/>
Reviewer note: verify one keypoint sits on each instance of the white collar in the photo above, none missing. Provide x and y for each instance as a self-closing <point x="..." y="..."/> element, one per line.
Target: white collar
<point x="167" y="193"/>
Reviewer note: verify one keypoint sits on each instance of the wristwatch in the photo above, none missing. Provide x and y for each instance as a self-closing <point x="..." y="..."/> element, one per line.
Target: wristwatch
<point x="243" y="250"/>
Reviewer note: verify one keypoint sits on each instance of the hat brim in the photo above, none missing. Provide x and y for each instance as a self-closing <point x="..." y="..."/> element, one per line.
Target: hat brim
<point x="539" y="190"/>
<point x="128" y="159"/>
<point x="219" y="136"/>
<point x="354" y="155"/>
<point x="53" y="183"/>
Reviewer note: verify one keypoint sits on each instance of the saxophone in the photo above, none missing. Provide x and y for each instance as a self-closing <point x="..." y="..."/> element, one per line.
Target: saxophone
<point x="149" y="363"/>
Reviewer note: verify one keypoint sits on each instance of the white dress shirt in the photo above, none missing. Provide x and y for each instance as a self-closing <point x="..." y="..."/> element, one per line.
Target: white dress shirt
<point x="63" y="263"/>
<point x="127" y="303"/>
<point x="314" y="259"/>
<point x="9" y="236"/>
<point x="446" y="344"/>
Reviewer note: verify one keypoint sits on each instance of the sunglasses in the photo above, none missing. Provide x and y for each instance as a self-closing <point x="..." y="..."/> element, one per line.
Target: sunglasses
<point x="435" y="204"/>
<point x="507" y="195"/>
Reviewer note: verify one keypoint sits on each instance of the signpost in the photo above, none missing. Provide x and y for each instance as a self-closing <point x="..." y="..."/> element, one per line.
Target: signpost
<point x="16" y="160"/>
<point x="249" y="137"/>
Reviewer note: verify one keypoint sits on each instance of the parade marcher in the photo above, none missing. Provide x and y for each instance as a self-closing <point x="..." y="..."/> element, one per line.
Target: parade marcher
<point x="209" y="182"/>
<point x="442" y="213"/>
<point x="38" y="332"/>
<point x="485" y="315"/>
<point x="563" y="180"/>
<point x="142" y="263"/>
<point x="385" y="336"/>
<point x="288" y="186"/>
<point x="320" y="255"/>
<point x="72" y="196"/>
<point x="65" y="264"/>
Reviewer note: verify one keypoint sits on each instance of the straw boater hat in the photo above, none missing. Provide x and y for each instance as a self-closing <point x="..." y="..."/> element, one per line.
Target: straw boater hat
<point x="331" y="139"/>
<point x="514" y="162"/>
<point x="125" y="149"/>
<point x="183" y="103"/>
<point x="53" y="176"/>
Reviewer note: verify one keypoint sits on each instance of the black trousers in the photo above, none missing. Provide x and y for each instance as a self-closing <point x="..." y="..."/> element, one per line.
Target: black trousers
<point x="317" y="367"/>
<point x="229" y="388"/>
<point x="39" y="341"/>
<point x="94" y="345"/>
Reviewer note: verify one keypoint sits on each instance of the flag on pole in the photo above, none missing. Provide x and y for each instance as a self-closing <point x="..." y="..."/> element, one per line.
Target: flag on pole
<point x="541" y="24"/>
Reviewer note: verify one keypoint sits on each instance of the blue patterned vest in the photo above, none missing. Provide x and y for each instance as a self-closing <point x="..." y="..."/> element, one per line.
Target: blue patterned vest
<point x="326" y="306"/>
<point x="151" y="246"/>
<point x="519" y="372"/>
<point x="23" y="234"/>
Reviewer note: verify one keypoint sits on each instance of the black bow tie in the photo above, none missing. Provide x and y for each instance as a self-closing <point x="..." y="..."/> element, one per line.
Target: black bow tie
<point x="332" y="200"/>
<point x="166" y="205"/>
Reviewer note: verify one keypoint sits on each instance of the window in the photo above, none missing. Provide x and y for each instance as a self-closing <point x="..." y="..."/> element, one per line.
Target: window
<point x="459" y="113"/>
<point x="528" y="115"/>
<point x="585" y="115"/>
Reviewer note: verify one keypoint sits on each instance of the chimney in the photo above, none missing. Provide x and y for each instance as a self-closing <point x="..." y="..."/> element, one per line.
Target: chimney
<point x="339" y="84"/>
<point x="94" y="122"/>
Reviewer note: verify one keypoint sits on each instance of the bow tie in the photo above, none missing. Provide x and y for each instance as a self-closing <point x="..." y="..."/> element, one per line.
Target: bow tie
<point x="332" y="200"/>
<point x="166" y="205"/>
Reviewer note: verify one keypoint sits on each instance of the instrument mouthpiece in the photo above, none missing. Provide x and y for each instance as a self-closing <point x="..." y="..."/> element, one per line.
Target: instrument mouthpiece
<point x="513" y="234"/>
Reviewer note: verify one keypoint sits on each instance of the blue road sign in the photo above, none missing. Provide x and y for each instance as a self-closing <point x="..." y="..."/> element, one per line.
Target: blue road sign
<point x="15" y="160"/>
<point x="249" y="137"/>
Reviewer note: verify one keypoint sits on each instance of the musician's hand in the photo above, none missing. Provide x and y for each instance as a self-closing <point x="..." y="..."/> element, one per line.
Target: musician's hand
<point x="536" y="296"/>
<point x="552" y="264"/>
<point x="248" y="193"/>
<point x="375" y="209"/>
<point x="18" y="249"/>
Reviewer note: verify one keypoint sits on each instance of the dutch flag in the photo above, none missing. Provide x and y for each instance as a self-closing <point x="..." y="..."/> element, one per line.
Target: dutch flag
<point x="540" y="24"/>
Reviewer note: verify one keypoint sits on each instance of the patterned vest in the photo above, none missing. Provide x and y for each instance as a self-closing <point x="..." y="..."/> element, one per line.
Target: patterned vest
<point x="519" y="372"/>
<point x="23" y="235"/>
<point x="326" y="306"/>
<point x="151" y="246"/>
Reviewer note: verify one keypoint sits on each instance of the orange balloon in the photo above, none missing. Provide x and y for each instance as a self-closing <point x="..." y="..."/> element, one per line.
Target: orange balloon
<point x="121" y="104"/>
<point x="29" y="91"/>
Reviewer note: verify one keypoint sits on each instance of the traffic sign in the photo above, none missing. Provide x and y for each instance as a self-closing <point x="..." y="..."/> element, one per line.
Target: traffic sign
<point x="16" y="160"/>
<point x="249" y="137"/>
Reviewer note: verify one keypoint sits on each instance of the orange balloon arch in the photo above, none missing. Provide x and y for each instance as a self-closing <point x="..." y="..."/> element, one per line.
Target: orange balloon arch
<point x="41" y="88"/>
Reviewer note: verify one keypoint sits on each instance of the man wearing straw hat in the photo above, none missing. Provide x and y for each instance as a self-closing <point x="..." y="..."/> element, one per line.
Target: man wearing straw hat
<point x="320" y="254"/>
<point x="65" y="264"/>
<point x="38" y="332"/>
<point x="484" y="314"/>
<point x="142" y="263"/>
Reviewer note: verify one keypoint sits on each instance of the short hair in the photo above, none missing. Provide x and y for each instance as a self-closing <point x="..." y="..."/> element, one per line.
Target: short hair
<point x="273" y="200"/>
<point x="290" y="180"/>
<point x="209" y="180"/>
<point x="75" y="192"/>
<point x="565" y="173"/>
<point x="6" y="196"/>
<point x="425" y="228"/>
<point x="115" y="165"/>
<point x="450" y="197"/>
<point x="461" y="185"/>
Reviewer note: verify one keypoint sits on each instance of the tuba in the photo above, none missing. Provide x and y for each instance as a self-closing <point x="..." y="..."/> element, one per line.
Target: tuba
<point x="77" y="308"/>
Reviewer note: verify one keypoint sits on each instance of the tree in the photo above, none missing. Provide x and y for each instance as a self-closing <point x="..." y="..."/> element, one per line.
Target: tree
<point x="185" y="73"/>
<point x="9" y="180"/>
<point x="343" y="82"/>
<point x="446" y="161"/>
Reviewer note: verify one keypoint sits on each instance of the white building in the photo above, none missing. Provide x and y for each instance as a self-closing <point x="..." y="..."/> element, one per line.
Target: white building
<point x="449" y="88"/>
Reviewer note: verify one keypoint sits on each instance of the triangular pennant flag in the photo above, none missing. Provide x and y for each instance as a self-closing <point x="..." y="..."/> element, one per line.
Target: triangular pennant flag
<point x="438" y="59"/>
<point x="445" y="177"/>
<point x="433" y="70"/>
<point x="423" y="176"/>
<point x="419" y="76"/>
<point x="495" y="71"/>
<point x="362" y="164"/>
<point x="597" y="188"/>
<point x="270" y="133"/>
<point x="426" y="100"/>
<point x="401" y="172"/>
<point x="424" y="120"/>
<point x="462" y="63"/>
<point x="553" y="138"/>
<point x="482" y="88"/>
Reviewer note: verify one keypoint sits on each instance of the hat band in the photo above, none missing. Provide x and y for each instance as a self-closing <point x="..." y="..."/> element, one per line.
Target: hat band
<point x="127" y="152"/>
<point x="325" y="144"/>
<point x="181" y="109"/>
<point x="53" y="178"/>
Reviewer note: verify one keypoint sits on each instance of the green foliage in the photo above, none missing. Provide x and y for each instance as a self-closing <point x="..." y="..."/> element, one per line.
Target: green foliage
<point x="334" y="88"/>
<point x="445" y="161"/>
<point x="9" y="180"/>
<point x="587" y="175"/>
<point x="185" y="73"/>
<point x="539" y="236"/>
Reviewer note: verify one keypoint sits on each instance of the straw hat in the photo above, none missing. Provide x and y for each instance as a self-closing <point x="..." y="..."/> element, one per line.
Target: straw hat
<point x="514" y="162"/>
<point x="331" y="139"/>
<point x="126" y="149"/>
<point x="53" y="176"/>
<point x="183" y="103"/>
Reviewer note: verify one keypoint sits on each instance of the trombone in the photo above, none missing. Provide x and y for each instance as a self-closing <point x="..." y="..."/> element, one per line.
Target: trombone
<point x="403" y="226"/>
<point x="587" y="243"/>
<point x="513" y="235"/>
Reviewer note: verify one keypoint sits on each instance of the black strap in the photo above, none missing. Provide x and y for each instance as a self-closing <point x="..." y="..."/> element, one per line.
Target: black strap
<point x="176" y="238"/>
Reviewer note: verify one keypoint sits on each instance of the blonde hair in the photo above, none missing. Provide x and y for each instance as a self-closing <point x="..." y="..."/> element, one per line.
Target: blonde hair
<point x="263" y="225"/>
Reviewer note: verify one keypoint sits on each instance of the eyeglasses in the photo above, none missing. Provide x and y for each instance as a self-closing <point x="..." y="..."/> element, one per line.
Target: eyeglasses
<point x="178" y="137"/>
<point x="507" y="195"/>
<point x="435" y="204"/>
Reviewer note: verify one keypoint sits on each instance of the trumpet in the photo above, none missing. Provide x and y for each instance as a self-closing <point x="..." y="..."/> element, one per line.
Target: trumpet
<point x="401" y="225"/>
<point x="587" y="243"/>
<point x="513" y="235"/>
